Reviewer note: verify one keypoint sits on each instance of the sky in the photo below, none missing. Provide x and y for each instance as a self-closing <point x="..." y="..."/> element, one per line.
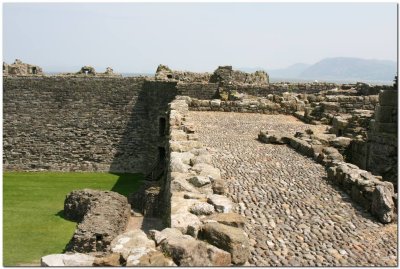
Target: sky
<point x="137" y="37"/>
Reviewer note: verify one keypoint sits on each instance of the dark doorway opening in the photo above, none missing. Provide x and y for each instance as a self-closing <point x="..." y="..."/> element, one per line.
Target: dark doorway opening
<point x="34" y="70"/>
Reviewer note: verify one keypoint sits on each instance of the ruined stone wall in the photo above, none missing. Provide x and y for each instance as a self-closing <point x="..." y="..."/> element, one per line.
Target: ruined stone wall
<point x="382" y="137"/>
<point x="82" y="124"/>
<point x="198" y="90"/>
<point x="279" y="88"/>
<point x="194" y="193"/>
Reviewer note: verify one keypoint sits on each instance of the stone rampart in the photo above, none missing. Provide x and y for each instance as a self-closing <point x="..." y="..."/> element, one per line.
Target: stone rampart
<point x="83" y="124"/>
<point x="195" y="191"/>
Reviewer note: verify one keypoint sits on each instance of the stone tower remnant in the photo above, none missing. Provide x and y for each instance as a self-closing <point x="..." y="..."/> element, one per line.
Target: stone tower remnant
<point x="18" y="68"/>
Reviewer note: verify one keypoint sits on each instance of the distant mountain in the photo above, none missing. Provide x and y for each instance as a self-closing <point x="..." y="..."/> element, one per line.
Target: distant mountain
<point x="292" y="71"/>
<point x="343" y="68"/>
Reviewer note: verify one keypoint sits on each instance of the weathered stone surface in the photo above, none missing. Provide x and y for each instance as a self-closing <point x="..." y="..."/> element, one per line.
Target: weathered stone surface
<point x="197" y="196"/>
<point x="179" y="183"/>
<point x="382" y="203"/>
<point x="203" y="158"/>
<point x="177" y="165"/>
<point x="199" y="181"/>
<point x="113" y="259"/>
<point x="107" y="216"/>
<point x="215" y="103"/>
<point x="187" y="251"/>
<point x="228" y="238"/>
<point x="152" y="258"/>
<point x="136" y="254"/>
<point x="218" y="186"/>
<point x="230" y="219"/>
<point x="226" y="75"/>
<point x="177" y="135"/>
<point x="78" y="203"/>
<point x="222" y="204"/>
<point x="185" y="157"/>
<point x="159" y="236"/>
<point x="147" y="199"/>
<point x="204" y="169"/>
<point x="181" y="221"/>
<point x="76" y="259"/>
<point x="183" y="146"/>
<point x="202" y="208"/>
<point x="148" y="257"/>
<point x="341" y="142"/>
<point x="272" y="138"/>
<point x="129" y="241"/>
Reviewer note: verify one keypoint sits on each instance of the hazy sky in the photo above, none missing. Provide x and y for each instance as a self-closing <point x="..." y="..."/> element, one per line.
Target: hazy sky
<point x="136" y="37"/>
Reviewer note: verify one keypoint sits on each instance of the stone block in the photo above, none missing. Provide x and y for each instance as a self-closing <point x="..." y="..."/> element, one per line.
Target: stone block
<point x="76" y="259"/>
<point x="230" y="219"/>
<point x="128" y="242"/>
<point x="222" y="204"/>
<point x="382" y="203"/>
<point x="187" y="251"/>
<point x="204" y="169"/>
<point x="228" y="238"/>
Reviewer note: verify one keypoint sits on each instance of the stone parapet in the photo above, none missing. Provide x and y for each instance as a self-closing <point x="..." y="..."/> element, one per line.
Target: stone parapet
<point x="195" y="190"/>
<point x="369" y="191"/>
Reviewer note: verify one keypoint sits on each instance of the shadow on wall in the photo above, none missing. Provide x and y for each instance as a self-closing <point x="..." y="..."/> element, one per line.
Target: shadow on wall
<point x="144" y="139"/>
<point x="131" y="150"/>
<point x="138" y="149"/>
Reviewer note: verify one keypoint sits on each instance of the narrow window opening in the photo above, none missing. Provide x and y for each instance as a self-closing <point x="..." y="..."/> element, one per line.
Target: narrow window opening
<point x="162" y="125"/>
<point x="169" y="76"/>
<point x="34" y="71"/>
<point x="340" y="132"/>
<point x="161" y="154"/>
<point x="99" y="237"/>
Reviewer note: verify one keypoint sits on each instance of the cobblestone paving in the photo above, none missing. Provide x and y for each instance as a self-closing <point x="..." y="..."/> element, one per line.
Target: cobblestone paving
<point x="295" y="217"/>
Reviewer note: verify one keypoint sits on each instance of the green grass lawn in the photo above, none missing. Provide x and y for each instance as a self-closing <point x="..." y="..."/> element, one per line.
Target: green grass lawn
<point x="32" y="203"/>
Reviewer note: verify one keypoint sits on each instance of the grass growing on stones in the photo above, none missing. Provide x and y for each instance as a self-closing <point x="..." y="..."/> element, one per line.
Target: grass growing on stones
<point x="33" y="224"/>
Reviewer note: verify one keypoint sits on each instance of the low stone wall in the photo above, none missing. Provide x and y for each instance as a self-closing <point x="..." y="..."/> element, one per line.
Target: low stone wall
<point x="364" y="188"/>
<point x="195" y="191"/>
<point x="102" y="215"/>
<point x="280" y="88"/>
<point x="275" y="104"/>
<point x="352" y="125"/>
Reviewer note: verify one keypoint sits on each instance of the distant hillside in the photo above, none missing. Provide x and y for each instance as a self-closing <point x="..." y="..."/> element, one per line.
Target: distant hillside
<point x="351" y="69"/>
<point x="292" y="71"/>
<point x="340" y="69"/>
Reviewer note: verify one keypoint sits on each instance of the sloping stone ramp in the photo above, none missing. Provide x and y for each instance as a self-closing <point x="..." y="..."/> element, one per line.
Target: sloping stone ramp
<point x="295" y="217"/>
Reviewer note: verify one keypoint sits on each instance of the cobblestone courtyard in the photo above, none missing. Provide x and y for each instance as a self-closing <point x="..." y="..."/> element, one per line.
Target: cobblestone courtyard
<point x="295" y="217"/>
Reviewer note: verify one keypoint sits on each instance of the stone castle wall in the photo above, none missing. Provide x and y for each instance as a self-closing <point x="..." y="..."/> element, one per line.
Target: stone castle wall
<point x="113" y="123"/>
<point x="82" y="124"/>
